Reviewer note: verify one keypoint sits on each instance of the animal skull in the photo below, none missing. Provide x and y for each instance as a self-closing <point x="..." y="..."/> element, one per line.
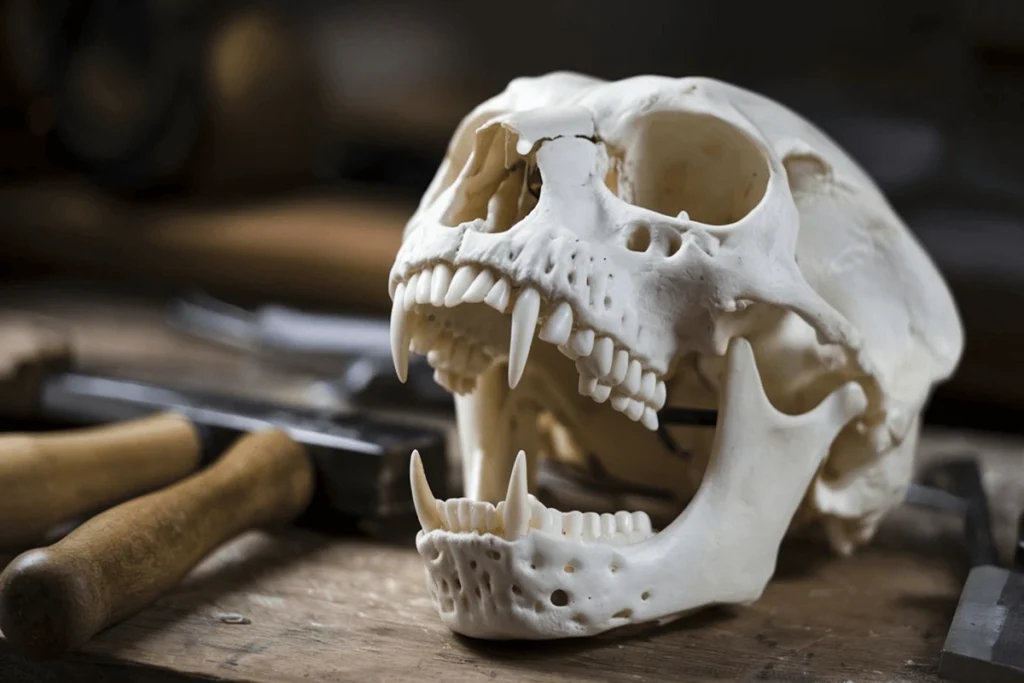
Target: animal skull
<point x="590" y="252"/>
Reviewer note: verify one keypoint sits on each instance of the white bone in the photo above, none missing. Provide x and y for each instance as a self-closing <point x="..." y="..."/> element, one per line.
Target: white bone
<point x="684" y="242"/>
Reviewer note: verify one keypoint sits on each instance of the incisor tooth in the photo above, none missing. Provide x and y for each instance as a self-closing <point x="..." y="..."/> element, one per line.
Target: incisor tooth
<point x="634" y="410"/>
<point x="583" y="342"/>
<point x="607" y="524"/>
<point x="558" y="326"/>
<point x="439" y="284"/>
<point x="623" y="522"/>
<point x="631" y="385"/>
<point x="620" y="402"/>
<point x="641" y="522"/>
<point x="481" y="286"/>
<point x="422" y="498"/>
<point x="647" y="385"/>
<point x="587" y="385"/>
<point x="524" y="324"/>
<point x="516" y="515"/>
<point x="410" y="291"/>
<point x="498" y="297"/>
<point x="400" y="334"/>
<point x="659" y="396"/>
<point x="601" y="393"/>
<point x="423" y="286"/>
<point x="591" y="525"/>
<point x="460" y="283"/>
<point x="650" y="419"/>
<point x="572" y="523"/>
<point x="619" y="366"/>
<point x="602" y="355"/>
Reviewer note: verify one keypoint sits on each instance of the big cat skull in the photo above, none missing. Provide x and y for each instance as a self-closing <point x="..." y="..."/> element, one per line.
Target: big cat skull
<point x="591" y="252"/>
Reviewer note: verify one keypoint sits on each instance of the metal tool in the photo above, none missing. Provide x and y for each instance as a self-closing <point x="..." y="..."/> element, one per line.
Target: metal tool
<point x="985" y="642"/>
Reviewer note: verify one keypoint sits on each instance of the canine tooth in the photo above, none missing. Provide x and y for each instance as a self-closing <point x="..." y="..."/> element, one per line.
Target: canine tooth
<point x="410" y="291"/>
<point x="647" y="385"/>
<point x="623" y="522"/>
<point x="524" y="324"/>
<point x="620" y="402"/>
<point x="439" y="284"/>
<point x="591" y="525"/>
<point x="620" y="365"/>
<point x="634" y="410"/>
<point x="659" y="396"/>
<point x="400" y="334"/>
<point x="572" y="523"/>
<point x="587" y="385"/>
<point x="423" y="286"/>
<point x="607" y="524"/>
<point x="498" y="297"/>
<point x="516" y="515"/>
<point x="601" y="393"/>
<point x="460" y="283"/>
<point x="631" y="385"/>
<point x="558" y="326"/>
<point x="422" y="498"/>
<point x="583" y="342"/>
<point x="602" y="355"/>
<point x="641" y="522"/>
<point x="650" y="419"/>
<point x="480" y="287"/>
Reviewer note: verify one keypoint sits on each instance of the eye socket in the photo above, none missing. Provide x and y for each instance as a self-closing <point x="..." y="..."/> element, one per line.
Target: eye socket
<point x="676" y="162"/>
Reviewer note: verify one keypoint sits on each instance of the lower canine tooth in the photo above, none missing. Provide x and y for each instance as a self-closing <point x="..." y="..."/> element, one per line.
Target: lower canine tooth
<point x="422" y="498"/>
<point x="516" y="515"/>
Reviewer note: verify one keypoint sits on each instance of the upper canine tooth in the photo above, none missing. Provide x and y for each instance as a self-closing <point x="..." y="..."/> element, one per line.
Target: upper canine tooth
<point x="422" y="498"/>
<point x="479" y="288"/>
<point x="400" y="334"/>
<point x="498" y="297"/>
<point x="439" y="284"/>
<point x="516" y="515"/>
<point x="423" y="286"/>
<point x="524" y="324"/>
<point x="464" y="277"/>
<point x="558" y="326"/>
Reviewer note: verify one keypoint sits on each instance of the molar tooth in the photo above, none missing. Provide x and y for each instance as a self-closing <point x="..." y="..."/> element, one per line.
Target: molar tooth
<point x="659" y="396"/>
<point x="607" y="525"/>
<point x="641" y="523"/>
<point x="422" y="498"/>
<point x="647" y="385"/>
<point x="498" y="297"/>
<point x="439" y="284"/>
<point x="477" y="291"/>
<point x="524" y="324"/>
<point x="583" y="342"/>
<point x="620" y="365"/>
<point x="409" y="297"/>
<point x="602" y="355"/>
<point x="591" y="525"/>
<point x="623" y="522"/>
<point x="423" y="286"/>
<point x="400" y="334"/>
<point x="601" y="393"/>
<point x="516" y="515"/>
<point x="631" y="385"/>
<point x="634" y="410"/>
<point x="558" y="326"/>
<point x="572" y="524"/>
<point x="460" y="283"/>
<point x="650" y="419"/>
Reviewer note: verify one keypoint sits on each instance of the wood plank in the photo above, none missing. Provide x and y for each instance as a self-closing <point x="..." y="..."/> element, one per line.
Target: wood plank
<point x="319" y="608"/>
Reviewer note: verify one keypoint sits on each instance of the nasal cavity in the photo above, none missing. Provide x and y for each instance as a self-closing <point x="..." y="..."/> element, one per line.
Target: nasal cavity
<point x="498" y="188"/>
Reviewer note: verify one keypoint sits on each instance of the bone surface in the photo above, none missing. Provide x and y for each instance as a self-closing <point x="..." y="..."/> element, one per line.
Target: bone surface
<point x="590" y="252"/>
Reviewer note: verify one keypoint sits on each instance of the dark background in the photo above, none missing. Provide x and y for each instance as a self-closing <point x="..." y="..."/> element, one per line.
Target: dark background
<point x="171" y="101"/>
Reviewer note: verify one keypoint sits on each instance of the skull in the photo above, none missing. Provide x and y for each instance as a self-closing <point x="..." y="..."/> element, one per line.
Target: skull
<point x="590" y="253"/>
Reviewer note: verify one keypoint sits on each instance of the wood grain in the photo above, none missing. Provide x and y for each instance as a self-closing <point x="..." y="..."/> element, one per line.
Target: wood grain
<point x="56" y="598"/>
<point x="52" y="478"/>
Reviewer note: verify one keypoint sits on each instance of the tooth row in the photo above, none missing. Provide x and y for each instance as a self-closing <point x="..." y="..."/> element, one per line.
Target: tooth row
<point x="606" y="373"/>
<point x="619" y="528"/>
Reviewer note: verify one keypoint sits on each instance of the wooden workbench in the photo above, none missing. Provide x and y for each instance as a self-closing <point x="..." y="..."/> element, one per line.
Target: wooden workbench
<point x="301" y="606"/>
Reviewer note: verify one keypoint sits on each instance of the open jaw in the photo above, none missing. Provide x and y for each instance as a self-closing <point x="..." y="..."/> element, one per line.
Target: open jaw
<point x="502" y="565"/>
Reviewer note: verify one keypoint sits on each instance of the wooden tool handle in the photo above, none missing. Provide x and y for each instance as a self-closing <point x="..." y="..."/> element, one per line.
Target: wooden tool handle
<point x="50" y="478"/>
<point x="55" y="599"/>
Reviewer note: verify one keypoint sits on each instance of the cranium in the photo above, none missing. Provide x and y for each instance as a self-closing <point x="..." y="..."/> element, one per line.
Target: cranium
<point x="590" y="252"/>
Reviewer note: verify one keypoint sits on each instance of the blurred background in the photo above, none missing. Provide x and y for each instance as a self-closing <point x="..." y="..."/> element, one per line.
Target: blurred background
<point x="183" y="164"/>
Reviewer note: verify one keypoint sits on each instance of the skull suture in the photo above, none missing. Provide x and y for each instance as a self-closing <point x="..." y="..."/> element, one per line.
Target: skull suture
<point x="590" y="252"/>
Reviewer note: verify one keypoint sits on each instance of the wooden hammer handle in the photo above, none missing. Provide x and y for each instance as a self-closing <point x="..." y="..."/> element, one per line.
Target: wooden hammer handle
<point x="55" y="477"/>
<point x="55" y="599"/>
